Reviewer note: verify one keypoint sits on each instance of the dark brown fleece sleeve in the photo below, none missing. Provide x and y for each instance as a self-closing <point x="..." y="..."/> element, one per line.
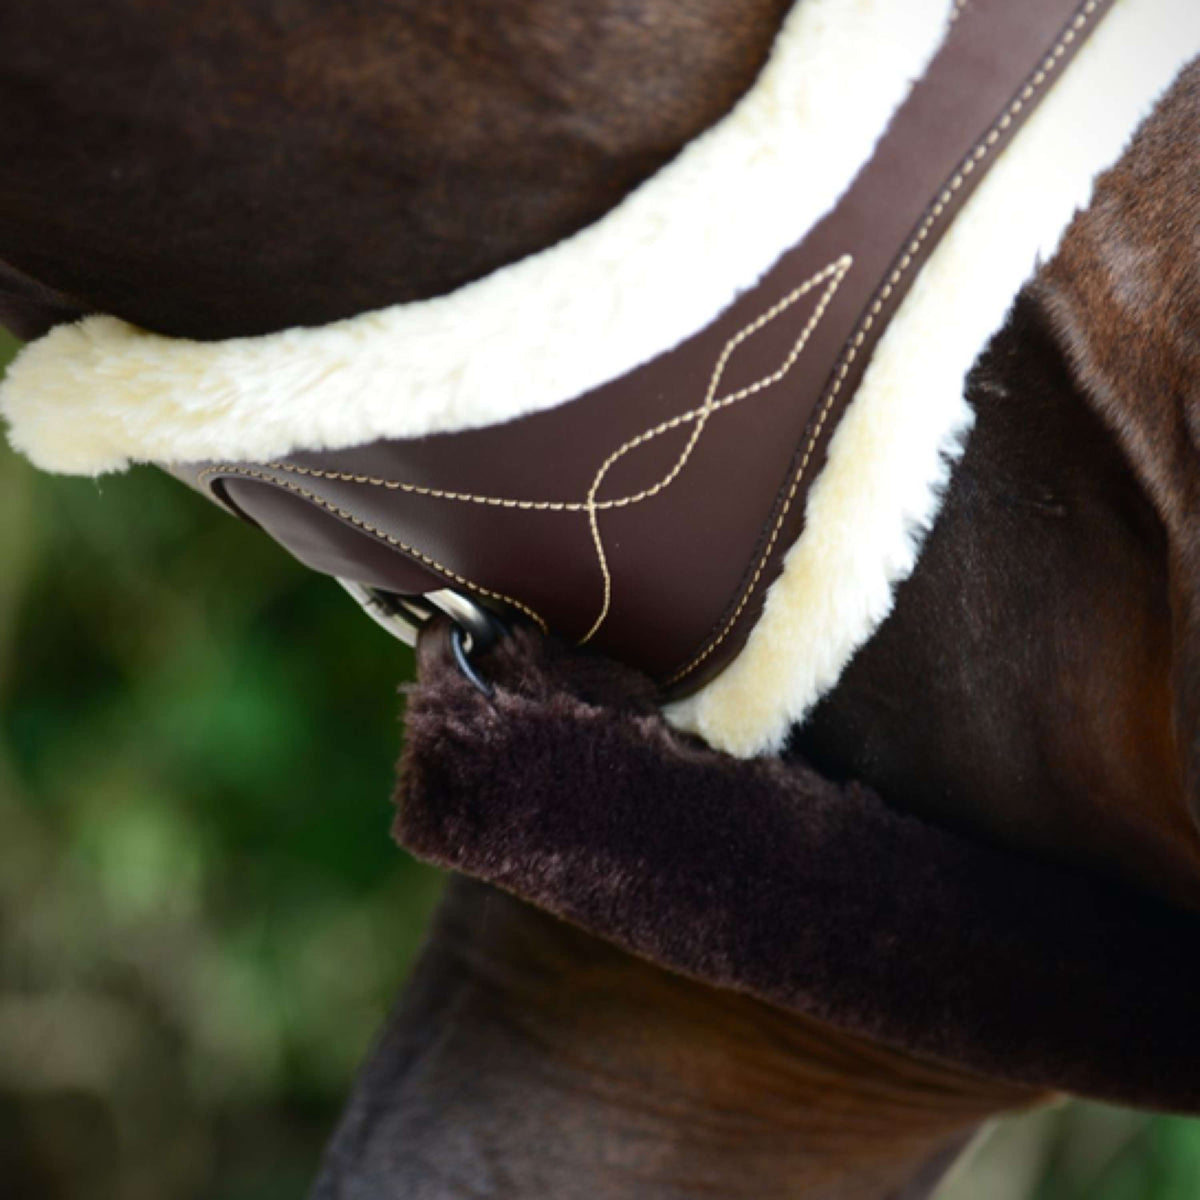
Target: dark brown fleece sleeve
<point x="568" y="789"/>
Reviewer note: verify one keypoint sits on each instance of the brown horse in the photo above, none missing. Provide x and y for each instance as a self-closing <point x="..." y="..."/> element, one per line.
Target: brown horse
<point x="213" y="173"/>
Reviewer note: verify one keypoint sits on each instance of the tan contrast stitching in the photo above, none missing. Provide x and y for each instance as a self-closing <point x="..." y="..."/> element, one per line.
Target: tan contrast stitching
<point x="972" y="160"/>
<point x="836" y="269"/>
<point x="832" y="275"/>
<point x="249" y="473"/>
<point x="835" y="272"/>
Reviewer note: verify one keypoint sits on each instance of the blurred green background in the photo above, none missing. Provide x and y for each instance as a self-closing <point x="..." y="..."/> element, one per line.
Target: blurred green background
<point x="202" y="917"/>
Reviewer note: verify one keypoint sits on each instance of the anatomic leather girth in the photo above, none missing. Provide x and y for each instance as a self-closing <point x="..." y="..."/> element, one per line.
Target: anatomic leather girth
<point x="649" y="516"/>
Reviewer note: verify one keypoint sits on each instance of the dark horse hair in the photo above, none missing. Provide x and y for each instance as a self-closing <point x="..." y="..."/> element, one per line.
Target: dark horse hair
<point x="295" y="162"/>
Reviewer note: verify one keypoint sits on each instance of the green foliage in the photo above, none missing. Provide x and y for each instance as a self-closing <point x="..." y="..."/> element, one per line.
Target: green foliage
<point x="1161" y="1162"/>
<point x="202" y="917"/>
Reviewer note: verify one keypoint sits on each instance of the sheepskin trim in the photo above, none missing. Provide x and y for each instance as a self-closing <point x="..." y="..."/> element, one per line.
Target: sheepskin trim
<point x="100" y="394"/>
<point x="890" y="459"/>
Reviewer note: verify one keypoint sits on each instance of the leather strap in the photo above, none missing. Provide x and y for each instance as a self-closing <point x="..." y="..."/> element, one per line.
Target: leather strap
<point x="649" y="516"/>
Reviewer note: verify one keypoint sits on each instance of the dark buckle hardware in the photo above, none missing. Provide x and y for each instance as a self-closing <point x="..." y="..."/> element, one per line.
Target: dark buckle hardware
<point x="475" y="628"/>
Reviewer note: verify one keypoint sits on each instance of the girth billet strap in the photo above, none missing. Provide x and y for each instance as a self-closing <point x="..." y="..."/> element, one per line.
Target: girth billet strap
<point x="649" y="516"/>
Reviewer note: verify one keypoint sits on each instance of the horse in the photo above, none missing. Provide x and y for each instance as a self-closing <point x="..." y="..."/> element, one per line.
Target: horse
<point x="1034" y="689"/>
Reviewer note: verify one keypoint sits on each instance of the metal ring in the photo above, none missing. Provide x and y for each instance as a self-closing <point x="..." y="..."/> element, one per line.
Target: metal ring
<point x="473" y="630"/>
<point x="404" y="616"/>
<point x="458" y="646"/>
<point x="482" y="626"/>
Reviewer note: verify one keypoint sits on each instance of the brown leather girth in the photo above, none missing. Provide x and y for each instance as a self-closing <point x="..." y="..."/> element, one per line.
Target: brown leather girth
<point x="650" y="515"/>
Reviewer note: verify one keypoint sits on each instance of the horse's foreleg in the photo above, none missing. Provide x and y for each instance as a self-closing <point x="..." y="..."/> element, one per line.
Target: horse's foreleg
<point x="528" y="1059"/>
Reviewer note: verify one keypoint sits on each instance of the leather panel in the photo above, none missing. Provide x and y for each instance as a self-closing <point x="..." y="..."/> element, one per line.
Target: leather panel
<point x="650" y="515"/>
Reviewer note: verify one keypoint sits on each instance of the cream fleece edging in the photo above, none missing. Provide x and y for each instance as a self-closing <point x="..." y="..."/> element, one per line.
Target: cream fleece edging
<point x="890" y="459"/>
<point x="99" y="394"/>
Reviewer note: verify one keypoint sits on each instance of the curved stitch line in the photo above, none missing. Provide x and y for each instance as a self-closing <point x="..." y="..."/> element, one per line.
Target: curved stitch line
<point x="247" y="472"/>
<point x="1048" y="65"/>
<point x="837" y="270"/>
<point x="834" y="272"/>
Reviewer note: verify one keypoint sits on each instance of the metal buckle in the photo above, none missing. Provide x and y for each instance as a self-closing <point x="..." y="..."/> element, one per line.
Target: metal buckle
<point x="475" y="628"/>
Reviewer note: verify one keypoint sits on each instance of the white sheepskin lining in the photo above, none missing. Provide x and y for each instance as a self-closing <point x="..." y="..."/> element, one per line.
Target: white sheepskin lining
<point x="100" y="394"/>
<point x="888" y="463"/>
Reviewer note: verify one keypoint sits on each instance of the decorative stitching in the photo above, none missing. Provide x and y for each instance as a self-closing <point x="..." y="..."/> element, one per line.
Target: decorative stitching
<point x="837" y="272"/>
<point x="250" y="473"/>
<point x="837" y="268"/>
<point x="833" y="274"/>
<point x="1048" y="65"/>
